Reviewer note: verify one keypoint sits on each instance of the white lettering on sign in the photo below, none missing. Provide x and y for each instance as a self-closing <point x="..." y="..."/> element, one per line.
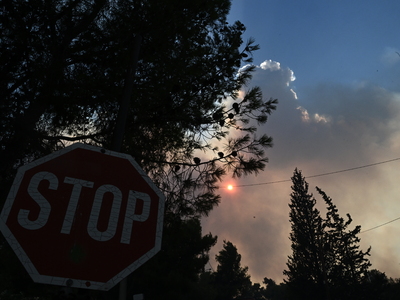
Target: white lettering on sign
<point x="73" y="201"/>
<point x="92" y="226"/>
<point x="44" y="205"/>
<point x="130" y="214"/>
<point x="114" y="214"/>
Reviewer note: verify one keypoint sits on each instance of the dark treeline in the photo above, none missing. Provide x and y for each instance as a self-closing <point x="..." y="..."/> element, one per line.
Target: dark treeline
<point x="67" y="72"/>
<point x="69" y="69"/>
<point x="326" y="260"/>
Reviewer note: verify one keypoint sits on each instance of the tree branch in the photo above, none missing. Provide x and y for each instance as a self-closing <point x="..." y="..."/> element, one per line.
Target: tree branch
<point x="71" y="138"/>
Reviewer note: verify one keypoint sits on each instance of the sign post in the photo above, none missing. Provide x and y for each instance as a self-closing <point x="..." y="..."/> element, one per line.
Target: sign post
<point x="83" y="217"/>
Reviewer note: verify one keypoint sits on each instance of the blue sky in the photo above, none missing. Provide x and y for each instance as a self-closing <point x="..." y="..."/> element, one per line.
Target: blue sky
<point x="334" y="67"/>
<point x="340" y="41"/>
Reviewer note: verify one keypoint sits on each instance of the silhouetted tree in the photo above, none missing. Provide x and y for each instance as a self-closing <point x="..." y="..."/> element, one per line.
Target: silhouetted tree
<point x="257" y="292"/>
<point x="182" y="259"/>
<point x="275" y="291"/>
<point x="326" y="262"/>
<point x="375" y="285"/>
<point x="66" y="66"/>
<point x="306" y="273"/>
<point x="392" y="290"/>
<point x="347" y="265"/>
<point x="231" y="279"/>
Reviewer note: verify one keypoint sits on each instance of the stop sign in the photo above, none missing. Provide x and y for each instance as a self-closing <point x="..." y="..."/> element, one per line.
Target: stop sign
<point x="83" y="216"/>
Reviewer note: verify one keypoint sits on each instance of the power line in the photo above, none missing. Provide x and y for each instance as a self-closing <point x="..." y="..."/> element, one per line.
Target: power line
<point x="331" y="173"/>
<point x="262" y="183"/>
<point x="380" y="225"/>
<point x="323" y="174"/>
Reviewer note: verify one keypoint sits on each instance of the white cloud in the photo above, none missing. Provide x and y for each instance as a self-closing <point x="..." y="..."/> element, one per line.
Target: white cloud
<point x="276" y="66"/>
<point x="294" y="94"/>
<point x="304" y="114"/>
<point x="317" y="118"/>
<point x="244" y="68"/>
<point x="292" y="77"/>
<point x="270" y="65"/>
<point x="321" y="118"/>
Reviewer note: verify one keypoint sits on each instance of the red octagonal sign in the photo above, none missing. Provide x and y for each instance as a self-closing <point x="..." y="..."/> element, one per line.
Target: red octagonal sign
<point x="83" y="216"/>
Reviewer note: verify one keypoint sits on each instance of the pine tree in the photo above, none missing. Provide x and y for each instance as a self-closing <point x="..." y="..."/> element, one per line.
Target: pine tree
<point x="305" y="273"/>
<point x="231" y="279"/>
<point x="347" y="264"/>
<point x="326" y="262"/>
<point x="182" y="259"/>
<point x="65" y="67"/>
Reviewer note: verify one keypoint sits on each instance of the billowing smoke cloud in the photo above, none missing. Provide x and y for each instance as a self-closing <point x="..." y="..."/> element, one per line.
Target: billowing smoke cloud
<point x="327" y="128"/>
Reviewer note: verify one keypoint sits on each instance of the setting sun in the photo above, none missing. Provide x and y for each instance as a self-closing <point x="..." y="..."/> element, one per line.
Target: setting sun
<point x="230" y="187"/>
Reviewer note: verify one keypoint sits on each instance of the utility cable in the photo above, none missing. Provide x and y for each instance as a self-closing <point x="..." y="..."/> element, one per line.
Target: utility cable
<point x="323" y="174"/>
<point x="331" y="173"/>
<point x="380" y="225"/>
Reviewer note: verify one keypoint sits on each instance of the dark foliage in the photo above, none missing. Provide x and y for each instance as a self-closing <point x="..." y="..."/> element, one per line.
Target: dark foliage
<point x="326" y="262"/>
<point x="231" y="279"/>
<point x="174" y="272"/>
<point x="66" y="67"/>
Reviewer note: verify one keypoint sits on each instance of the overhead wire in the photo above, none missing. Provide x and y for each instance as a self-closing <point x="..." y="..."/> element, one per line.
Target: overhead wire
<point x="380" y="225"/>
<point x="331" y="173"/>
<point x="322" y="174"/>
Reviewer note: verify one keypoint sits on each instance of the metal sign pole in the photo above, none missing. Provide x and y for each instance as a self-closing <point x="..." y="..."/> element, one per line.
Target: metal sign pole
<point x="121" y="123"/>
